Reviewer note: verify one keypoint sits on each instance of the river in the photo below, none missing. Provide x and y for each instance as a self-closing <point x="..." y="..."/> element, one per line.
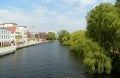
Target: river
<point x="47" y="60"/>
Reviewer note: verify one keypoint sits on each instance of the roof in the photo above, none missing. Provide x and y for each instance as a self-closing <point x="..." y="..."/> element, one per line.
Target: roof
<point x="4" y="28"/>
<point x="22" y="26"/>
<point x="10" y="23"/>
<point x="12" y="29"/>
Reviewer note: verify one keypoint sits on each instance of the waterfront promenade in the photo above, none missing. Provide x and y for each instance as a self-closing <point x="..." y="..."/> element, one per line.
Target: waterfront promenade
<point x="11" y="49"/>
<point x="30" y="44"/>
<point x="7" y="50"/>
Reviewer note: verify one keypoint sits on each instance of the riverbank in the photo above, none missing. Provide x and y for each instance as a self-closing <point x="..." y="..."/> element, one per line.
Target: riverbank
<point x="12" y="49"/>
<point x="7" y="50"/>
<point x="30" y="44"/>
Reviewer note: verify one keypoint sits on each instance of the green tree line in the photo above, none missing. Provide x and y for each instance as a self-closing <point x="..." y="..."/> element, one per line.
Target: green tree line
<point x="51" y="36"/>
<point x="64" y="37"/>
<point x="100" y="42"/>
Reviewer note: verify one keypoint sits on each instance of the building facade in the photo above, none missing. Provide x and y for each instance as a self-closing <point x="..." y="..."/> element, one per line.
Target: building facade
<point x="42" y="36"/>
<point x="12" y="27"/>
<point x="21" y="35"/>
<point x="34" y="36"/>
<point x="5" y="38"/>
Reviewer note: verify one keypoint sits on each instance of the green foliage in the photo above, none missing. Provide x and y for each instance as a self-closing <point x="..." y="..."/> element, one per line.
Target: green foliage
<point x="103" y="26"/>
<point x="100" y="43"/>
<point x="103" y="23"/>
<point x="116" y="63"/>
<point x="64" y="37"/>
<point x="94" y="57"/>
<point x="96" y="60"/>
<point x="77" y="41"/>
<point x="51" y="36"/>
<point x="118" y="5"/>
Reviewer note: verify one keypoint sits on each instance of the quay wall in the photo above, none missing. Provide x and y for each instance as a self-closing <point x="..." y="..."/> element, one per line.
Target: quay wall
<point x="12" y="49"/>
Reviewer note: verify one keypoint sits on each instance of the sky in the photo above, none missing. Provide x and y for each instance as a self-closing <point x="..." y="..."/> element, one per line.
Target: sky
<point x="48" y="15"/>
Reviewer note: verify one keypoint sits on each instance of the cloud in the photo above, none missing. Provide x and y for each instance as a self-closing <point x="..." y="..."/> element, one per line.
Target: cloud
<point x="70" y="15"/>
<point x="106" y="0"/>
<point x="40" y="11"/>
<point x="41" y="17"/>
<point x="45" y="1"/>
<point x="82" y="2"/>
<point x="14" y="15"/>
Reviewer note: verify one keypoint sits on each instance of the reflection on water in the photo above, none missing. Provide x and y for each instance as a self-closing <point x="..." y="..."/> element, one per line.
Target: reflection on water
<point x="48" y="60"/>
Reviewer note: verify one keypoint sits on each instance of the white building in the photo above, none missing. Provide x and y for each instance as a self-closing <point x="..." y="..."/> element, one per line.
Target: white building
<point x="12" y="28"/>
<point x="21" y="32"/>
<point x="5" y="38"/>
<point x="1" y="25"/>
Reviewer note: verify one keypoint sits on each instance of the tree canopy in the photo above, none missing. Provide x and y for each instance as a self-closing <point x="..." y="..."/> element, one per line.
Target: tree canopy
<point x="64" y="37"/>
<point x="103" y="25"/>
<point x="51" y="36"/>
<point x="100" y="42"/>
<point x="94" y="56"/>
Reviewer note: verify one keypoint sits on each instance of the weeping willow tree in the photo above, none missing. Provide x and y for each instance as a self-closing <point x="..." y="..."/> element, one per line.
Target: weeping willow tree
<point x="100" y="43"/>
<point x="103" y="26"/>
<point x="94" y="55"/>
<point x="51" y="36"/>
<point x="64" y="37"/>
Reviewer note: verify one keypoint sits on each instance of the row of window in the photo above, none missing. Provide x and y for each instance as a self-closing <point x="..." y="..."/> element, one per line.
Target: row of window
<point x="4" y="37"/>
<point x="4" y="34"/>
<point x="3" y="31"/>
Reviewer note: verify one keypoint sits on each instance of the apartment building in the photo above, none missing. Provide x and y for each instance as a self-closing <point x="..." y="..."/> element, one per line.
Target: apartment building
<point x="5" y="38"/>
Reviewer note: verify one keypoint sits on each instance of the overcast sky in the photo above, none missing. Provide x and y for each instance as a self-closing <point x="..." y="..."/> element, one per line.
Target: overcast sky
<point x="48" y="15"/>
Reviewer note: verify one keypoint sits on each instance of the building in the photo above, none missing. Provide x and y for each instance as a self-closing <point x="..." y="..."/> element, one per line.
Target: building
<point x="42" y="36"/>
<point x="12" y="27"/>
<point x="28" y="36"/>
<point x="5" y="38"/>
<point x="18" y="39"/>
<point x="21" y="35"/>
<point x="1" y="25"/>
<point x="34" y="36"/>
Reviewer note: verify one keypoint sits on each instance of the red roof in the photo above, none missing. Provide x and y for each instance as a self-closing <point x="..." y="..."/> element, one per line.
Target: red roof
<point x="12" y="29"/>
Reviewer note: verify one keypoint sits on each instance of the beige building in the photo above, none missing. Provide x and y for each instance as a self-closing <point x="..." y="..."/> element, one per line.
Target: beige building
<point x="21" y="36"/>
<point x="34" y="36"/>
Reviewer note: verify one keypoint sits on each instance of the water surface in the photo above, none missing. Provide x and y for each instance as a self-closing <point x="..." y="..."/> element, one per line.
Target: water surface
<point x="48" y="60"/>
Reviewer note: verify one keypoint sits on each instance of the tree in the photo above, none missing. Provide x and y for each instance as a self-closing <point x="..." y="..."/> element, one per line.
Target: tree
<point x="100" y="43"/>
<point x="103" y="26"/>
<point x="94" y="56"/>
<point x="77" y="41"/>
<point x="116" y="56"/>
<point x="51" y="36"/>
<point x="64" y="37"/>
<point x="117" y="4"/>
<point x="96" y="59"/>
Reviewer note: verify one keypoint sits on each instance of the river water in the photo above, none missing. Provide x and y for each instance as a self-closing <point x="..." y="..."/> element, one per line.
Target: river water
<point x="47" y="60"/>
